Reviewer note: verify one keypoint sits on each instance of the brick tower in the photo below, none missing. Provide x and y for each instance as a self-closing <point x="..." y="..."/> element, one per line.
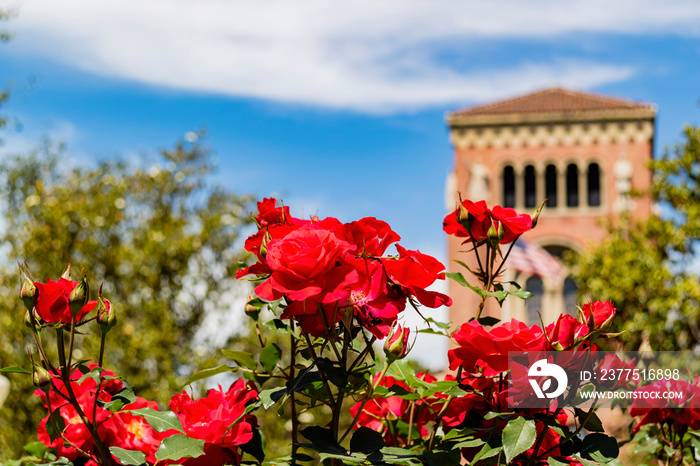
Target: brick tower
<point x="584" y="152"/>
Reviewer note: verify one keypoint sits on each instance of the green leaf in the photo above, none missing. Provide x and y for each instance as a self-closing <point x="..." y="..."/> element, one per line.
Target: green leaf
<point x="178" y="446"/>
<point x="458" y="277"/>
<point x="402" y="369"/>
<point x="15" y="369"/>
<point x="242" y="358"/>
<point x="159" y="420"/>
<point x="120" y="399"/>
<point x="270" y="356"/>
<point x="551" y="461"/>
<point x="475" y="442"/>
<point x="491" y="448"/>
<point x="128" y="457"/>
<point x="518" y="435"/>
<point x="599" y="447"/>
<point x="519" y="292"/>
<point x="366" y="440"/>
<point x="36" y="449"/>
<point x="442" y="325"/>
<point x="206" y="373"/>
<point x="489" y="321"/>
<point x="593" y="424"/>
<point x="271" y="396"/>
<point x="278" y="325"/>
<point x="323" y="440"/>
<point x="55" y="419"/>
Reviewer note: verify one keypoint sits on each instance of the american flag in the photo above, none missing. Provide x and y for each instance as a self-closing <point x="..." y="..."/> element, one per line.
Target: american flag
<point x="531" y="259"/>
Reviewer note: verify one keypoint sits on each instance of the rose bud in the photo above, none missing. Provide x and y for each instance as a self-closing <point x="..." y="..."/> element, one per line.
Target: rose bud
<point x="106" y="317"/>
<point x="40" y="377"/>
<point x="66" y="272"/>
<point x="79" y="296"/>
<point x="396" y="344"/>
<point x="536" y="214"/>
<point x="252" y="310"/>
<point x="27" y="290"/>
<point x="598" y="314"/>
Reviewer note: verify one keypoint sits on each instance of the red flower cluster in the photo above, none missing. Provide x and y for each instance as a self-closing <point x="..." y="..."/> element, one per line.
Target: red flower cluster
<point x="52" y="301"/>
<point x="472" y="220"/>
<point x="486" y="351"/>
<point x="684" y="411"/>
<point x="324" y="268"/>
<point x="220" y="420"/>
<point x="421" y="413"/>
<point x="115" y="429"/>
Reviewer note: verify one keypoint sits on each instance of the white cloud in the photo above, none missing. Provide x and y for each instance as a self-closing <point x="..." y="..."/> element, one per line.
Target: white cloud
<point x="368" y="56"/>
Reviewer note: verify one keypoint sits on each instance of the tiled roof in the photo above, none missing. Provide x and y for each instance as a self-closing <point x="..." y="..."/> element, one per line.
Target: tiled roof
<point x="553" y="100"/>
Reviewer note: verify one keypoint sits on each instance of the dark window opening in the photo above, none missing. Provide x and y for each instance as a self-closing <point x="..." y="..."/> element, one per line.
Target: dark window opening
<point x="533" y="304"/>
<point x="572" y="185"/>
<point x="593" y="185"/>
<point x="530" y="187"/>
<point x="508" y="187"/>
<point x="551" y="185"/>
<point x="570" y="296"/>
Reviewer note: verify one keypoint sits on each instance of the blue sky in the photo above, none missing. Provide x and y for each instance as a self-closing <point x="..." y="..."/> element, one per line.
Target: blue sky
<point x="336" y="107"/>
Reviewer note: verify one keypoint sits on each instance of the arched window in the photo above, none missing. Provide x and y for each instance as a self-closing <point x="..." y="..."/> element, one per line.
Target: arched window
<point x="570" y="296"/>
<point x="530" y="187"/>
<point x="572" y="185"/>
<point x="593" y="185"/>
<point x="533" y="304"/>
<point x="551" y="185"/>
<point x="508" y="186"/>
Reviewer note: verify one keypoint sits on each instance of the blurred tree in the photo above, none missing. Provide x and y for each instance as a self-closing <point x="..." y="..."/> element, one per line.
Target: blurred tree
<point x="165" y="244"/>
<point x="643" y="267"/>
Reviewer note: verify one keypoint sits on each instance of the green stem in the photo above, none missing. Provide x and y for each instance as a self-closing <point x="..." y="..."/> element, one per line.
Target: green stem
<point x="368" y="396"/>
<point x="71" y="339"/>
<point x="324" y="379"/>
<point x="295" y="421"/>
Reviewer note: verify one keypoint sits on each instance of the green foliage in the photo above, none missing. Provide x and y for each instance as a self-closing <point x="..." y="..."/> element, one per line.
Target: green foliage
<point x="642" y="265"/>
<point x="163" y="241"/>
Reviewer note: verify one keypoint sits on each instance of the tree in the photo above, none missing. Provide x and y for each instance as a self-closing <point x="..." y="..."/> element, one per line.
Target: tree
<point x="643" y="266"/>
<point x="163" y="241"/>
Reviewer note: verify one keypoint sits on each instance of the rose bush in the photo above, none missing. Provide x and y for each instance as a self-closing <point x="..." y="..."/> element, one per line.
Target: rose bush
<point x="332" y="289"/>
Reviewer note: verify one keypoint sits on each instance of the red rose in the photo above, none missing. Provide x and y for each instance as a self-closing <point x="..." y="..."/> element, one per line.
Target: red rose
<point x="220" y="420"/>
<point x="478" y="220"/>
<point x="367" y="236"/>
<point x="115" y="429"/>
<point x="513" y="224"/>
<point x="304" y="266"/>
<point x="52" y="304"/>
<point x="598" y="314"/>
<point x="563" y="333"/>
<point x="684" y="411"/>
<point x="488" y="350"/>
<point x="370" y="298"/>
<point x="270" y="214"/>
<point x="415" y="271"/>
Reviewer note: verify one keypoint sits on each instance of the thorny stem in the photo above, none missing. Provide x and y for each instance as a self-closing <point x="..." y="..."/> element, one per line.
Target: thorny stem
<point x="323" y="374"/>
<point x="65" y="376"/>
<point x="295" y="421"/>
<point x="410" y="422"/>
<point x="368" y="396"/>
<point x="60" y="432"/>
<point x="438" y="420"/>
<point x="103" y="337"/>
<point x="71" y="340"/>
<point x="343" y="365"/>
